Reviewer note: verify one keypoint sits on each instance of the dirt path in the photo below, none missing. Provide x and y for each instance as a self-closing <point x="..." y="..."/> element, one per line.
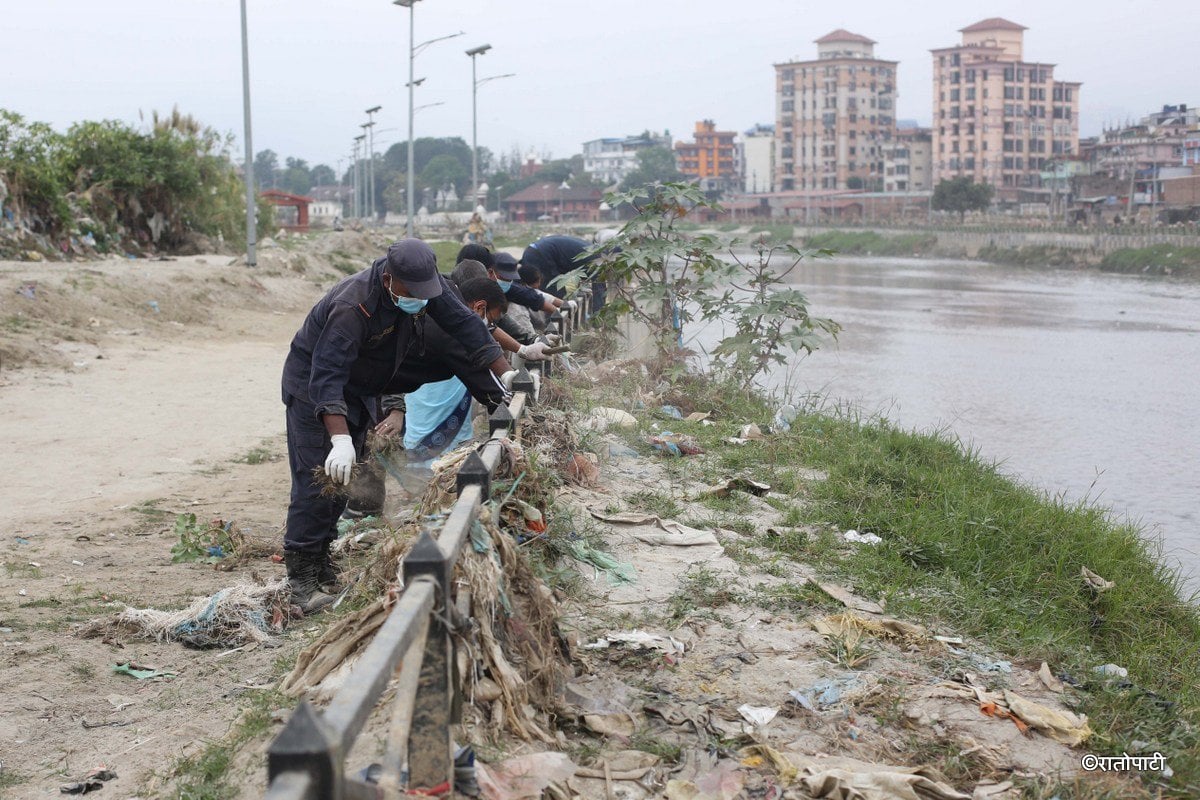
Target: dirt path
<point x="147" y="414"/>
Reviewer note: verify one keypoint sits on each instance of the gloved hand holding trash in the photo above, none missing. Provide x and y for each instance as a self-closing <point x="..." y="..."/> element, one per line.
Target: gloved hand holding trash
<point x="340" y="461"/>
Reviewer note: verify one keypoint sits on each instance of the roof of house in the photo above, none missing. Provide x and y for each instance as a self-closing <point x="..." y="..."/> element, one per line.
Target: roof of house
<point x="552" y="193"/>
<point x="843" y="35"/>
<point x="993" y="24"/>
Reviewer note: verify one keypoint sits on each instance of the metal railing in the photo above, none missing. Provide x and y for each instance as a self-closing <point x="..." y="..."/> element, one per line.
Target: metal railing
<point x="306" y="761"/>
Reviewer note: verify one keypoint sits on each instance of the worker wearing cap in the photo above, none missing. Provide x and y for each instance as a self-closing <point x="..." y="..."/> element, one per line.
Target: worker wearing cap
<point x="365" y="339"/>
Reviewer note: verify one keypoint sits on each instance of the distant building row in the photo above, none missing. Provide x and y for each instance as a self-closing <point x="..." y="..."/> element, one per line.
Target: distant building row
<point x="996" y="116"/>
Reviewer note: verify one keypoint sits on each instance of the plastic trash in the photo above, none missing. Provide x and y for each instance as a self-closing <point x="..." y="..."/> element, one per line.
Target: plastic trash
<point x="672" y="412"/>
<point x="784" y="417"/>
<point x="603" y="416"/>
<point x="751" y="432"/>
<point x="758" y="716"/>
<point x="618" y="450"/>
<point x="1111" y="671"/>
<point x="141" y="672"/>
<point x="153" y="306"/>
<point x="1094" y="581"/>
<point x="861" y="538"/>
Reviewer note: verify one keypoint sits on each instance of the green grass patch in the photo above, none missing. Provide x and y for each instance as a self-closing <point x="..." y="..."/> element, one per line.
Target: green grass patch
<point x="777" y="233"/>
<point x="872" y="243"/>
<point x="972" y="552"/>
<point x="1160" y="259"/>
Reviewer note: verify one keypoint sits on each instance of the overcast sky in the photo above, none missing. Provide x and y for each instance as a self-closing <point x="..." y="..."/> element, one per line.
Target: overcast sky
<point x="584" y="69"/>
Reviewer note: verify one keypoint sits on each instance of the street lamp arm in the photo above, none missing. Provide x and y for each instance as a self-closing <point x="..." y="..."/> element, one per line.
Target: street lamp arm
<point x="482" y="81"/>
<point x="416" y="50"/>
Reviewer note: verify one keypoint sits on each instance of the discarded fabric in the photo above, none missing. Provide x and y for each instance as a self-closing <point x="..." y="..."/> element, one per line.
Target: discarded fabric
<point x="142" y="673"/>
<point x="861" y="538"/>
<point x="1094" y="581"/>
<point x="639" y="640"/>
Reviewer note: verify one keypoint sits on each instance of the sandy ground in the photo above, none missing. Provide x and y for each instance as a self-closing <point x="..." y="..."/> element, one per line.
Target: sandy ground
<point x="134" y="416"/>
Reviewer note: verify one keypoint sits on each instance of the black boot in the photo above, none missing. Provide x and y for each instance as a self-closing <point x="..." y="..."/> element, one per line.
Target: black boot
<point x="303" y="568"/>
<point x="327" y="572"/>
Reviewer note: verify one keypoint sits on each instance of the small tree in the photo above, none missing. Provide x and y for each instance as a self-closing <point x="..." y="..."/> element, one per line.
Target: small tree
<point x="770" y="316"/>
<point x="666" y="277"/>
<point x="962" y="195"/>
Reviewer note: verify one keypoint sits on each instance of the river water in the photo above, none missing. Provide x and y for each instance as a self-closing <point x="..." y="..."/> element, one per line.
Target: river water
<point x="1082" y="384"/>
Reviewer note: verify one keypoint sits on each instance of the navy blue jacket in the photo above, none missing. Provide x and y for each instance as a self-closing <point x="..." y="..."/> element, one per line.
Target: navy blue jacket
<point x="354" y="340"/>
<point x="554" y="256"/>
<point x="524" y="296"/>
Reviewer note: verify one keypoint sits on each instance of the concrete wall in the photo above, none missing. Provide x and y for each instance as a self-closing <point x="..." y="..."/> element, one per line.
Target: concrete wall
<point x="969" y="243"/>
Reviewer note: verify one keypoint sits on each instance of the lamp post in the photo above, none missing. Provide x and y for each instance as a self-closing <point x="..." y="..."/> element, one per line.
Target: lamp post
<point x="412" y="55"/>
<point x="475" y="51"/>
<point x="562" y="187"/>
<point x="370" y="126"/>
<point x="359" y="189"/>
<point x="251" y="207"/>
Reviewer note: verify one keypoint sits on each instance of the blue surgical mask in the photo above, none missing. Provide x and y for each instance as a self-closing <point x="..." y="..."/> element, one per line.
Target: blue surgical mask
<point x="505" y="285"/>
<point x="410" y="305"/>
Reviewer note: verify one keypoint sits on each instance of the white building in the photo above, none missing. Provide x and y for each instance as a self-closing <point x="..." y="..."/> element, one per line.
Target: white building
<point x="610" y="160"/>
<point x="758" y="159"/>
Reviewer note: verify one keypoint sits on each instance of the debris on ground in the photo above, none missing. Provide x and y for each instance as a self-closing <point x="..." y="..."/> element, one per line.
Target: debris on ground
<point x="861" y="538"/>
<point x="91" y="782"/>
<point x="675" y="444"/>
<point x="1095" y="582"/>
<point x="739" y="484"/>
<point x="141" y="672"/>
<point x="232" y="617"/>
<point x="523" y="777"/>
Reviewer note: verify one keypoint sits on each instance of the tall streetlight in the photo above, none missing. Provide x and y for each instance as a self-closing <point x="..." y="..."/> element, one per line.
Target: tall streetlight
<point x="251" y="206"/>
<point x="475" y="84"/>
<point x="371" y="157"/>
<point x="359" y="189"/>
<point x="475" y="51"/>
<point x="412" y="55"/>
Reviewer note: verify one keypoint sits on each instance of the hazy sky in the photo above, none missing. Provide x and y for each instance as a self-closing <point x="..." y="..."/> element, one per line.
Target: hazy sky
<point x="583" y="69"/>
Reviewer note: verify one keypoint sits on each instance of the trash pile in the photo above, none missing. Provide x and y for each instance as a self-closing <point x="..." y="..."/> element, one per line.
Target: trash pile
<point x="232" y="617"/>
<point x="512" y="657"/>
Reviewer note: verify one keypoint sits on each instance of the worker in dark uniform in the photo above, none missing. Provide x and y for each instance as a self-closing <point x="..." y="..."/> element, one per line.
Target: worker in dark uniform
<point x="558" y="255"/>
<point x="365" y="339"/>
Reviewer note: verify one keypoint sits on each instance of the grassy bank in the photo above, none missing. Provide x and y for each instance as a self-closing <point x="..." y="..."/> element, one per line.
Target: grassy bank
<point x="1037" y="255"/>
<point x="1161" y="259"/>
<point x="970" y="552"/>
<point x="873" y="244"/>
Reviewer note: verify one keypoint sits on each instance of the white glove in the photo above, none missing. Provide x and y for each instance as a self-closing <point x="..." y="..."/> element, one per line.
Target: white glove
<point x="554" y="339"/>
<point x="340" y="460"/>
<point x="533" y="352"/>
<point x="507" y="379"/>
<point x="572" y="305"/>
<point x="537" y="384"/>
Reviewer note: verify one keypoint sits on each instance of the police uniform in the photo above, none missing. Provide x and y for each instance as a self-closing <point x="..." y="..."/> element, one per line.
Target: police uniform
<point x="558" y="255"/>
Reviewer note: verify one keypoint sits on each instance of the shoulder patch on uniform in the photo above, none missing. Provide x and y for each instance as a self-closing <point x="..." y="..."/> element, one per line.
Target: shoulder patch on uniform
<point x="363" y="309"/>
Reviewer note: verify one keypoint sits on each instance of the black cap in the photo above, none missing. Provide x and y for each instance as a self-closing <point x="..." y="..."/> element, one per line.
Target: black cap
<point x="413" y="262"/>
<point x="506" y="267"/>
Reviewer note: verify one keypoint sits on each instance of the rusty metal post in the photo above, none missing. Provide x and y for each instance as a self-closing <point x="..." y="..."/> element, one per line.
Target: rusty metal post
<point x="430" y="749"/>
<point x="308" y="745"/>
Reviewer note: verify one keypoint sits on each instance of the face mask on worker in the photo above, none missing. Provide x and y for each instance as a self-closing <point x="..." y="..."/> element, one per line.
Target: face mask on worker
<point x="504" y="285"/>
<point x="409" y="305"/>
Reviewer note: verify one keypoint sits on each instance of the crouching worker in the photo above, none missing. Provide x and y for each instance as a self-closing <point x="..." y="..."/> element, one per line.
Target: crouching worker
<point x="364" y="339"/>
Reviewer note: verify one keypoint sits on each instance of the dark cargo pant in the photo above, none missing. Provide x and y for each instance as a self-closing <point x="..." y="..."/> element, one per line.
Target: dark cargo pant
<point x="312" y="519"/>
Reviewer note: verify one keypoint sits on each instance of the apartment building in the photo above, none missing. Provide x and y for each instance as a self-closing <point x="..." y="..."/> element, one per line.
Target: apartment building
<point x="908" y="161"/>
<point x="998" y="117"/>
<point x="758" y="159"/>
<point x="610" y="160"/>
<point x="712" y="159"/>
<point x="834" y="115"/>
